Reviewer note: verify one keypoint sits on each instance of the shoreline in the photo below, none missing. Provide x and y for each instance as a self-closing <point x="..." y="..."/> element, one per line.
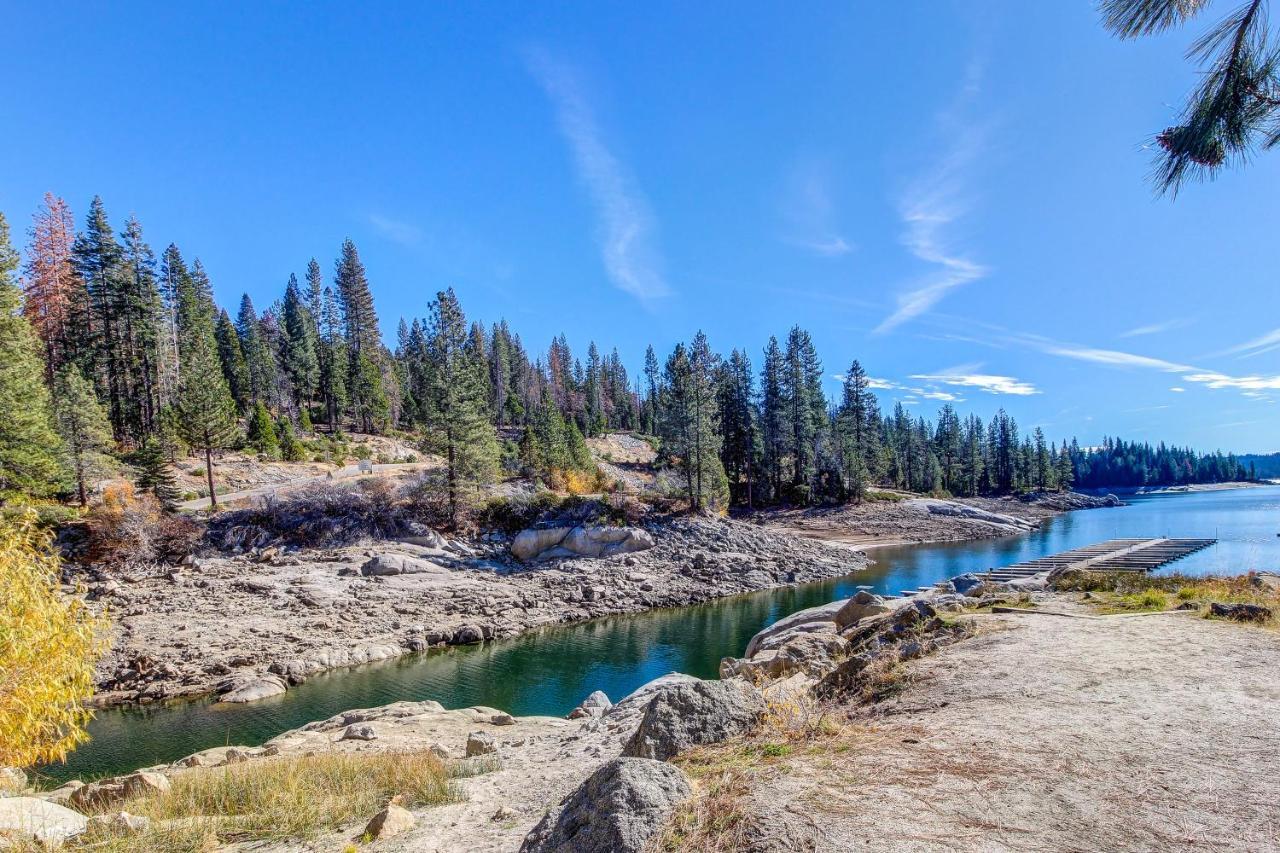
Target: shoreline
<point x="1190" y="488"/>
<point x="249" y="626"/>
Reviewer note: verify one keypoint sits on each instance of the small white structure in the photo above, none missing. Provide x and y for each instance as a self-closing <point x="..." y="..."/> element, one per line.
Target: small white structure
<point x="365" y="466"/>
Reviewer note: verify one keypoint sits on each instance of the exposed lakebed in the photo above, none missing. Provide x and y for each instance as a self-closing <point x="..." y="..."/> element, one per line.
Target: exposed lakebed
<point x="550" y="670"/>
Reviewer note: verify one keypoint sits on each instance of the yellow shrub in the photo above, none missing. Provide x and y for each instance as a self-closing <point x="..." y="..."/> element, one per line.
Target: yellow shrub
<point x="48" y="646"/>
<point x="579" y="482"/>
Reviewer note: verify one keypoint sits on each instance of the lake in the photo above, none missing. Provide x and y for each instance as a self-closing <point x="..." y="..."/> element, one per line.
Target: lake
<point x="549" y="671"/>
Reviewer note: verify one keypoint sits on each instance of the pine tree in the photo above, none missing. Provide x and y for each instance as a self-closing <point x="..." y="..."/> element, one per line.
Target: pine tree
<point x="857" y="434"/>
<point x="258" y="356"/>
<point x="155" y="475"/>
<point x="206" y="414"/>
<point x="652" y="378"/>
<point x="805" y="410"/>
<point x="363" y="340"/>
<point x="172" y="281"/>
<point x="291" y="450"/>
<point x="1065" y="469"/>
<point x="231" y="357"/>
<point x="51" y="282"/>
<point x="739" y="420"/>
<point x="373" y="409"/>
<point x="301" y="362"/>
<point x="97" y="258"/>
<point x="947" y="439"/>
<point x="689" y="432"/>
<point x="456" y="403"/>
<point x="85" y="432"/>
<point x="773" y="416"/>
<point x="544" y="445"/>
<point x="261" y="432"/>
<point x="30" y="449"/>
<point x="594" y="392"/>
<point x="333" y="383"/>
<point x="142" y="333"/>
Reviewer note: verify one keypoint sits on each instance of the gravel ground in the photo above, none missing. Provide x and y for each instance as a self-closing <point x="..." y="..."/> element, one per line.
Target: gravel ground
<point x="1050" y="733"/>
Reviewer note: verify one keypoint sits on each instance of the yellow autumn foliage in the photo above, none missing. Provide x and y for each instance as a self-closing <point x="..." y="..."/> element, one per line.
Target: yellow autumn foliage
<point x="48" y="646"/>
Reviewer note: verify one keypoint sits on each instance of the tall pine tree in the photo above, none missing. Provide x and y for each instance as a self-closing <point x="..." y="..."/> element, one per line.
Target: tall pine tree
<point x="29" y="448"/>
<point x="455" y="403"/>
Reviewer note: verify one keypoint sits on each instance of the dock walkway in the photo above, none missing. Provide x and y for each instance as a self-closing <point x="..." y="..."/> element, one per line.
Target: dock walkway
<point x="1114" y="555"/>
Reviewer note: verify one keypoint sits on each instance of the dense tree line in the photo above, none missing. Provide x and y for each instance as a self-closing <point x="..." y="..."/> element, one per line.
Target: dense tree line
<point x="141" y="360"/>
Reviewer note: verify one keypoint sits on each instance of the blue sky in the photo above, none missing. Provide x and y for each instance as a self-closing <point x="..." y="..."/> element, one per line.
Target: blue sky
<point x="952" y="192"/>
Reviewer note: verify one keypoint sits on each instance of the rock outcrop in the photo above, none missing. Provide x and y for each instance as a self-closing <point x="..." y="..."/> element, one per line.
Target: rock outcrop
<point x="692" y="713"/>
<point x="397" y="564"/>
<point x="546" y="543"/>
<point x="30" y="819"/>
<point x="252" y="691"/>
<point x="953" y="509"/>
<point x="618" y="809"/>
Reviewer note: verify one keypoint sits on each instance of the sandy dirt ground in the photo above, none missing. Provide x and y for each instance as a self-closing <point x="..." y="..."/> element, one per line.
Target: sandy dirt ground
<point x="1048" y="733"/>
<point x="902" y="522"/>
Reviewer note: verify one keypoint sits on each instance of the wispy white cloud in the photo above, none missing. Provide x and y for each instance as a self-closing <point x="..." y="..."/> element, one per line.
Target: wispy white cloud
<point x="1115" y="358"/>
<point x="625" y="221"/>
<point x="1255" y="386"/>
<point x="1178" y="390"/>
<point x="1156" y="328"/>
<point x="932" y="204"/>
<point x="810" y="212"/>
<point x="1257" y="346"/>
<point x="990" y="383"/>
<point x="404" y="233"/>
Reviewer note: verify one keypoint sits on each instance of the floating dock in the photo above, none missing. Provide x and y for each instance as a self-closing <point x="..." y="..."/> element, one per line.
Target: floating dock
<point x="1114" y="555"/>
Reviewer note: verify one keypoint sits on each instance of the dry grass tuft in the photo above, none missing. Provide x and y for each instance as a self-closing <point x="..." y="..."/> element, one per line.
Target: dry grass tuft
<point x="1127" y="592"/>
<point x="275" y="800"/>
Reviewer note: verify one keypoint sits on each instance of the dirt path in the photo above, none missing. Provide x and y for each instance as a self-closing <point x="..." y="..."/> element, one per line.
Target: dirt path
<point x="344" y="473"/>
<point x="1050" y="733"/>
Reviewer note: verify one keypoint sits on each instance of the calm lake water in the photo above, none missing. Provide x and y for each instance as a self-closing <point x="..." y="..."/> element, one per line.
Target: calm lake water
<point x="551" y="670"/>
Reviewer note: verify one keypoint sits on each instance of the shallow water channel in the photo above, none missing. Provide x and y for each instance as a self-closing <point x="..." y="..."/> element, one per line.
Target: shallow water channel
<point x="549" y="671"/>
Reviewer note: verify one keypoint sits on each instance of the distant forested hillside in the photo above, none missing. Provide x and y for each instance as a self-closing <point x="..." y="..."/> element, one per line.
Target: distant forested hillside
<point x="1267" y="465"/>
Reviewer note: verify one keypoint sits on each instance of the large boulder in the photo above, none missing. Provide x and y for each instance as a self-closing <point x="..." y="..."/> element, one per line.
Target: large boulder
<point x="969" y="584"/>
<point x="594" y="705"/>
<point x="30" y="819"/>
<point x="694" y="713"/>
<point x="618" y="809"/>
<point x="583" y="540"/>
<point x="815" y="654"/>
<point x="820" y="618"/>
<point x="384" y="565"/>
<point x="109" y="792"/>
<point x="637" y="700"/>
<point x="859" y="607"/>
<point x="255" y="689"/>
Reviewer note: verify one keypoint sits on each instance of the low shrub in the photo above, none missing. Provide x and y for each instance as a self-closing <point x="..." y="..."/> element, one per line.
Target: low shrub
<point x="323" y="516"/>
<point x="128" y="528"/>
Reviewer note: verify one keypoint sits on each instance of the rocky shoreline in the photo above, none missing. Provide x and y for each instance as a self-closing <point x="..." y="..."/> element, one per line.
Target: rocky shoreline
<point x="248" y="626"/>
<point x="599" y="780"/>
